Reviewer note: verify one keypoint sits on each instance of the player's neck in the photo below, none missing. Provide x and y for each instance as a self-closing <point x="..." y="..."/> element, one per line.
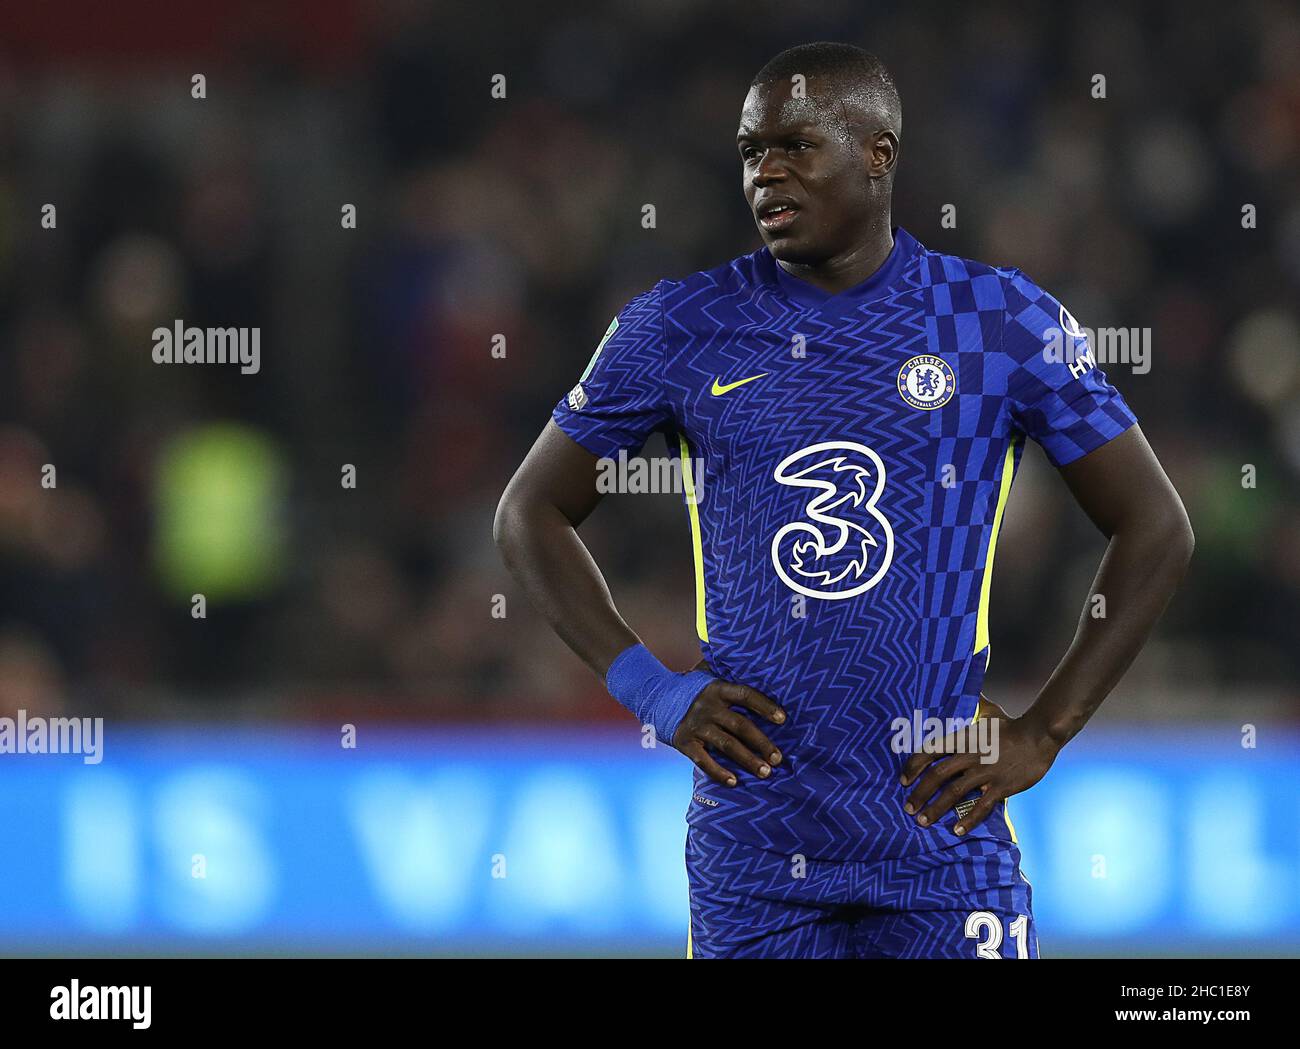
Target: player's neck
<point x="840" y="272"/>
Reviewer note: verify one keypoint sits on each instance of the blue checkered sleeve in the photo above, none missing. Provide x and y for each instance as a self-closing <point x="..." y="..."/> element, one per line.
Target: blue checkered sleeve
<point x="1058" y="395"/>
<point x="620" y="398"/>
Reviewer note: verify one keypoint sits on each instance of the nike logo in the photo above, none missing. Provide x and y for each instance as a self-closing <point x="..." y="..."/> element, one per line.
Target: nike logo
<point x="719" y="389"/>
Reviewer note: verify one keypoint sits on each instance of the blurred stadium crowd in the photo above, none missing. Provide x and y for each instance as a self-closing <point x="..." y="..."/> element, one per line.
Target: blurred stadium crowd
<point x="522" y="217"/>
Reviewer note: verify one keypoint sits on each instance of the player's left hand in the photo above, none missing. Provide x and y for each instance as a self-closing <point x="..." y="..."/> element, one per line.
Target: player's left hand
<point x="1021" y="758"/>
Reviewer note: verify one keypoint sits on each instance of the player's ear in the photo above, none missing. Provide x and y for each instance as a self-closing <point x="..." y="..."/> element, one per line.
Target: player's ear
<point x="882" y="153"/>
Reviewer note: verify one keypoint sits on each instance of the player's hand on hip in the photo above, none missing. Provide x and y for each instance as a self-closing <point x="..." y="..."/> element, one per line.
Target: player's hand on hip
<point x="710" y="725"/>
<point x="1019" y="756"/>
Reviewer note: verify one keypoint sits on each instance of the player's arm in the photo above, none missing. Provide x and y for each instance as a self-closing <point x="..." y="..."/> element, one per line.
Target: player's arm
<point x="1057" y="396"/>
<point x="551" y="494"/>
<point x="1123" y="489"/>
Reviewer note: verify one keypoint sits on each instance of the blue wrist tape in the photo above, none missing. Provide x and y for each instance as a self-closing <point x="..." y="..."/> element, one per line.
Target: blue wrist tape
<point x="655" y="694"/>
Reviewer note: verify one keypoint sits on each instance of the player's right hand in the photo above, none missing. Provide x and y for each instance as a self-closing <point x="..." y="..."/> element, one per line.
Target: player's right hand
<point x="711" y="725"/>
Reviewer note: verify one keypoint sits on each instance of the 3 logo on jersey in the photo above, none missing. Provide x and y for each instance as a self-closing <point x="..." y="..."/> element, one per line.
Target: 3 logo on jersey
<point x="842" y="537"/>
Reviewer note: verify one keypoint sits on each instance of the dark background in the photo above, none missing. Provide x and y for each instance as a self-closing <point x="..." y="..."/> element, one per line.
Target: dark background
<point x="521" y="217"/>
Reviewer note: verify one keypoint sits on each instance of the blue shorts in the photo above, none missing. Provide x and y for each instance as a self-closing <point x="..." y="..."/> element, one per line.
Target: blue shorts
<point x="966" y="900"/>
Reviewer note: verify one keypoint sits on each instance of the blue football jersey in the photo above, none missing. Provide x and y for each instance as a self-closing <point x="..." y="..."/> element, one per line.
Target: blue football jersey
<point x="847" y="461"/>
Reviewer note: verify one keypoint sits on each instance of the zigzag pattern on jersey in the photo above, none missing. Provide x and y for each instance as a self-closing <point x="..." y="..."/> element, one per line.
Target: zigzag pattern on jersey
<point x="845" y="669"/>
<point x="749" y="902"/>
<point x="610" y="425"/>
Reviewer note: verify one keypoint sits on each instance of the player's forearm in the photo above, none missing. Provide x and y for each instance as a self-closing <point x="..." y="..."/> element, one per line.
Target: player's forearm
<point x="547" y="558"/>
<point x="542" y="549"/>
<point x="1142" y="567"/>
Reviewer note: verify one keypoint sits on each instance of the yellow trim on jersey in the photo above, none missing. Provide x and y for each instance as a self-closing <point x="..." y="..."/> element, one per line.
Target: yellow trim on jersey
<point x="690" y="952"/>
<point x="1006" y="815"/>
<point x="697" y="545"/>
<point x="982" y="621"/>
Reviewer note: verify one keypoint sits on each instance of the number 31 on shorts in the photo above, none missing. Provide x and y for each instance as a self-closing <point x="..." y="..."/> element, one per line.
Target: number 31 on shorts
<point x="986" y="928"/>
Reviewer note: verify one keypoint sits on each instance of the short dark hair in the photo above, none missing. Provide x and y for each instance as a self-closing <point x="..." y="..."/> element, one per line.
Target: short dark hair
<point x="853" y="70"/>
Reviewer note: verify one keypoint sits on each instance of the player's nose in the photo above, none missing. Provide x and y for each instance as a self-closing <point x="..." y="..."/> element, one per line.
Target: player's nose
<point x="769" y="169"/>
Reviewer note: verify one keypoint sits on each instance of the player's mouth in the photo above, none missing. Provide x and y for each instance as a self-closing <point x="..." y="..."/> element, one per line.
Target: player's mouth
<point x="776" y="214"/>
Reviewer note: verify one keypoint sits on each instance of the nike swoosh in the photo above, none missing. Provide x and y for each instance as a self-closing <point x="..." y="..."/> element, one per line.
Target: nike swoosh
<point x="719" y="390"/>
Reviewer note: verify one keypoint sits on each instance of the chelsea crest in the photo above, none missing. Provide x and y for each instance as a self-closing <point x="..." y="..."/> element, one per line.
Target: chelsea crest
<point x="926" y="382"/>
